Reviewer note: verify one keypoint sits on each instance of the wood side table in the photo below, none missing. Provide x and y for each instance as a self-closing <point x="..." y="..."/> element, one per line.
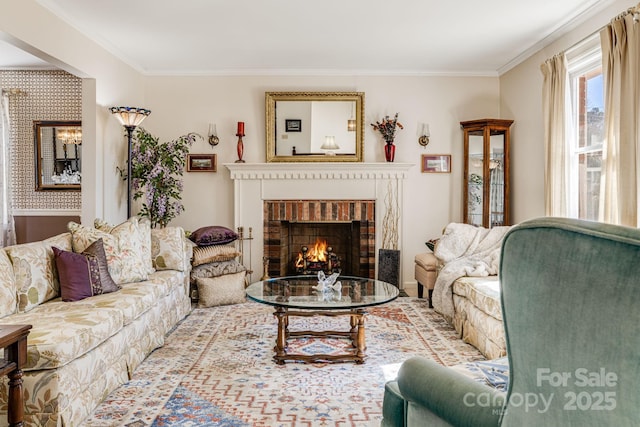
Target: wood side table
<point x="13" y="338"/>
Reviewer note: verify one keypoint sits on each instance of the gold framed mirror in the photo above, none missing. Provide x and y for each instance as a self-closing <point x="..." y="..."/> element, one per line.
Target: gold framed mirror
<point x="314" y="126"/>
<point x="58" y="155"/>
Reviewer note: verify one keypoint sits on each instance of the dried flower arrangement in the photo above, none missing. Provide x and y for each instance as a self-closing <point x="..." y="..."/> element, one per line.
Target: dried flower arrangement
<point x="387" y="128"/>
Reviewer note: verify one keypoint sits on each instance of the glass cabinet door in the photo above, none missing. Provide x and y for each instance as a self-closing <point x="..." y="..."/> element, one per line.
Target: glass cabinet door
<point x="486" y="172"/>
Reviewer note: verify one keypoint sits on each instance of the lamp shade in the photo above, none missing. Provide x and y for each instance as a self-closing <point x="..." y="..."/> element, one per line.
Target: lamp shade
<point x="329" y="143"/>
<point x="130" y="116"/>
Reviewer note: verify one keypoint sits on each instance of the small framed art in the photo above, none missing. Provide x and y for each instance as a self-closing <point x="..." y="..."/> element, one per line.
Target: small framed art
<point x="293" y="125"/>
<point x="436" y="163"/>
<point x="201" y="163"/>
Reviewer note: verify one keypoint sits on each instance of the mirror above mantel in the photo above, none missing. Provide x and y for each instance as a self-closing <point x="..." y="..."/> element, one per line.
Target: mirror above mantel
<point x="314" y="126"/>
<point x="58" y="155"/>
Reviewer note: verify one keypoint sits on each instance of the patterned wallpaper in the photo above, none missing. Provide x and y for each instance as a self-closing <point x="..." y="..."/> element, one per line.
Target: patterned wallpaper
<point x="49" y="95"/>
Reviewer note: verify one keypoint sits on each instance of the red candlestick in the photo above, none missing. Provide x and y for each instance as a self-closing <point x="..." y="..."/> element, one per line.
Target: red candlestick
<point x="240" y="129"/>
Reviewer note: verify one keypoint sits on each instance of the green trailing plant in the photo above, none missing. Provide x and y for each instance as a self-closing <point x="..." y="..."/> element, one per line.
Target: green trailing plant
<point x="157" y="169"/>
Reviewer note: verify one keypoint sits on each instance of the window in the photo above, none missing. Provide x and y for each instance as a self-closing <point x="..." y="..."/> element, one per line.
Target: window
<point x="587" y="129"/>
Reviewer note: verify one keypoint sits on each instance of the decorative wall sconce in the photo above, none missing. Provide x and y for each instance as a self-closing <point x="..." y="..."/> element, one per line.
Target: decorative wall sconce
<point x="240" y="134"/>
<point x="423" y="134"/>
<point x="213" y="135"/>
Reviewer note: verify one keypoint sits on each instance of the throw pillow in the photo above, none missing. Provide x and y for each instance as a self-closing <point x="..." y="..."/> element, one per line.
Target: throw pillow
<point x="96" y="249"/>
<point x="35" y="271"/>
<point x="143" y="226"/>
<point x="121" y="245"/>
<point x="80" y="274"/>
<point x="213" y="235"/>
<point x="223" y="290"/>
<point x="214" y="253"/>
<point x="167" y="248"/>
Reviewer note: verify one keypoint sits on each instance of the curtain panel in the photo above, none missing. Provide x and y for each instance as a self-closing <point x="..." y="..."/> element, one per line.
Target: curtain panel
<point x="554" y="104"/>
<point x="620" y="42"/>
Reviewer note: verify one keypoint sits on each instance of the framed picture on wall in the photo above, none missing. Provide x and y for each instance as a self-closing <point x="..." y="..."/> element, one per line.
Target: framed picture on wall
<point x="293" y="125"/>
<point x="436" y="163"/>
<point x="201" y="163"/>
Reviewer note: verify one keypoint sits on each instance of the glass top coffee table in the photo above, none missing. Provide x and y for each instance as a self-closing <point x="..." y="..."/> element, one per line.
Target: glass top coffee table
<point x="302" y="296"/>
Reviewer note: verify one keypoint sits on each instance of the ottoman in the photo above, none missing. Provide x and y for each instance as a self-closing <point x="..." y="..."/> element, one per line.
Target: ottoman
<point x="426" y="271"/>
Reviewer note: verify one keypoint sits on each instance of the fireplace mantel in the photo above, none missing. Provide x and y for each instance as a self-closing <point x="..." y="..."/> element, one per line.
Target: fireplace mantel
<point x="255" y="183"/>
<point x="318" y="170"/>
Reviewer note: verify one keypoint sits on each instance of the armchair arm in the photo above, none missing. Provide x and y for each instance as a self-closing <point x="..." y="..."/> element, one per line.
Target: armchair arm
<point x="450" y="395"/>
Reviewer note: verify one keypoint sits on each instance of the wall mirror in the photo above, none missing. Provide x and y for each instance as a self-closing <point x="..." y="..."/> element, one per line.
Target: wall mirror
<point x="58" y="155"/>
<point x="314" y="126"/>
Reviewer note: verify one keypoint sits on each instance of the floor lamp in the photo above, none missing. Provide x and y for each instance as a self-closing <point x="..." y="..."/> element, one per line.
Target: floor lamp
<point x="130" y="118"/>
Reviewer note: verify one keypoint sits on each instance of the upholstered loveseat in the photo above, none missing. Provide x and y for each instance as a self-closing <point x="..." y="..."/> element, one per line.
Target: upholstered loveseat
<point x="461" y="275"/>
<point x="80" y="351"/>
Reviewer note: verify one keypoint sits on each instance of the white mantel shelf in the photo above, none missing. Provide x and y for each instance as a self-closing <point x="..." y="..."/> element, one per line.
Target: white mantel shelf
<point x="324" y="170"/>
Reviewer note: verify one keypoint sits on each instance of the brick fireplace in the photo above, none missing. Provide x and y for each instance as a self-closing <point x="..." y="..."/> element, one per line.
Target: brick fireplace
<point x="348" y="227"/>
<point x="270" y="197"/>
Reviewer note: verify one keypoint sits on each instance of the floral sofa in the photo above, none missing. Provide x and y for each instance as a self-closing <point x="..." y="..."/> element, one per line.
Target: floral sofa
<point x="466" y="290"/>
<point x="79" y="351"/>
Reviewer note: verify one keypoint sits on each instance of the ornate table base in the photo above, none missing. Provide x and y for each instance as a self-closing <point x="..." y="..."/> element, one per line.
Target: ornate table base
<point x="355" y="334"/>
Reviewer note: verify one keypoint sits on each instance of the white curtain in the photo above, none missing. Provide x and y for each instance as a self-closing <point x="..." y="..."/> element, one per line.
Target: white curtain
<point x="621" y="66"/>
<point x="8" y="233"/>
<point x="554" y="102"/>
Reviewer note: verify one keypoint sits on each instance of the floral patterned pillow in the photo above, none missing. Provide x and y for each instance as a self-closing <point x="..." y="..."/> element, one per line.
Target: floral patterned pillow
<point x="144" y="233"/>
<point x="167" y="248"/>
<point x="35" y="272"/>
<point x="8" y="290"/>
<point x="122" y="246"/>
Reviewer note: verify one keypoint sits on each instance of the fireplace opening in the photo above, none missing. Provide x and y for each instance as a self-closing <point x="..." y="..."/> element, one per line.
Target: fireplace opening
<point x="319" y="257"/>
<point x="314" y="246"/>
<point x="348" y="227"/>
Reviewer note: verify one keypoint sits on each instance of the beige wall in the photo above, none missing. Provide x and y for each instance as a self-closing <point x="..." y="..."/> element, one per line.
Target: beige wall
<point x="521" y="98"/>
<point x="184" y="104"/>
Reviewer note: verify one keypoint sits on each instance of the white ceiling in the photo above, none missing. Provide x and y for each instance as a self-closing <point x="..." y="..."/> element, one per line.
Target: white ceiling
<point x="192" y="37"/>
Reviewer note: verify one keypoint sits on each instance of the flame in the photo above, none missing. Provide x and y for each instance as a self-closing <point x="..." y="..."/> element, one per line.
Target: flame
<point x="318" y="253"/>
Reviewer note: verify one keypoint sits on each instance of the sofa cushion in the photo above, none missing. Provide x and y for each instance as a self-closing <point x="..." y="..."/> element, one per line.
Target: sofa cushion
<point x="167" y="248"/>
<point x="122" y="246"/>
<point x="35" y="272"/>
<point x="63" y="332"/>
<point x="132" y="300"/>
<point x="213" y="235"/>
<point x="8" y="290"/>
<point x="483" y="292"/>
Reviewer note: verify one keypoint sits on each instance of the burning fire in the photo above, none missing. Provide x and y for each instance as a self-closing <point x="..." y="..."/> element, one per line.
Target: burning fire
<point x="318" y="253"/>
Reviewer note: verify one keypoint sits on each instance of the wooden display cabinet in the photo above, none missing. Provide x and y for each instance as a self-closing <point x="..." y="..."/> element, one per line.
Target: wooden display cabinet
<point x="486" y="172"/>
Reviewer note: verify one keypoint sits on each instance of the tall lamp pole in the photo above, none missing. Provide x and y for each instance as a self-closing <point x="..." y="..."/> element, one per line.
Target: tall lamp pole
<point x="130" y="118"/>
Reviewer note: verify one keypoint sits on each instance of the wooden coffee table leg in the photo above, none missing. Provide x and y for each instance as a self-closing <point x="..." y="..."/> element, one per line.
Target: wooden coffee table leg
<point x="281" y="338"/>
<point x="360" y="345"/>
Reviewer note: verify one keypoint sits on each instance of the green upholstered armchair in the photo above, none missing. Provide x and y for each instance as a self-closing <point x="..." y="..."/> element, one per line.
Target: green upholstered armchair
<point x="571" y="310"/>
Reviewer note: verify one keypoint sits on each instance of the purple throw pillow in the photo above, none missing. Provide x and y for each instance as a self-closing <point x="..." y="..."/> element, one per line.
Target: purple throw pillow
<point x="83" y="275"/>
<point x="213" y="235"/>
<point x="79" y="275"/>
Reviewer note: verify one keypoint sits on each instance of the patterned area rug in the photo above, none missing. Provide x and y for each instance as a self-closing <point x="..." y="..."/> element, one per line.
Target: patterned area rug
<point x="216" y="369"/>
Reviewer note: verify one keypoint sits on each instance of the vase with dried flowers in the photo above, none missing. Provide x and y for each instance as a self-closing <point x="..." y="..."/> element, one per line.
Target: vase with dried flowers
<point x="387" y="128"/>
